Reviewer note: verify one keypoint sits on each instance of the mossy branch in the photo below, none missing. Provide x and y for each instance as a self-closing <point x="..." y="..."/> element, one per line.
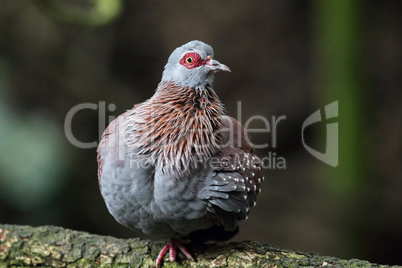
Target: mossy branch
<point x="51" y="246"/>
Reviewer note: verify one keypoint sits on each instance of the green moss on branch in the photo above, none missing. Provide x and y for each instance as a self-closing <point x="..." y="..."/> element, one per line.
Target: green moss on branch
<point x="57" y="247"/>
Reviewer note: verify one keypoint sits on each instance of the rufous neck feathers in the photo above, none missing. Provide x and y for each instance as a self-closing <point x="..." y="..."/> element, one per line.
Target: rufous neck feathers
<point x="178" y="127"/>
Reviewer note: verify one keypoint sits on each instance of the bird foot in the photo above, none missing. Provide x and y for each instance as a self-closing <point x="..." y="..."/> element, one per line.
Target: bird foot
<point x="172" y="247"/>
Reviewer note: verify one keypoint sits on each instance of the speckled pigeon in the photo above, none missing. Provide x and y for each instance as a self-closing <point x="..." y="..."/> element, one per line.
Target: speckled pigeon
<point x="175" y="164"/>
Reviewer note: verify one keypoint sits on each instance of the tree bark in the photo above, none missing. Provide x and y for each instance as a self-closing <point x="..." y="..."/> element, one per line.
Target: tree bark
<point x="50" y="246"/>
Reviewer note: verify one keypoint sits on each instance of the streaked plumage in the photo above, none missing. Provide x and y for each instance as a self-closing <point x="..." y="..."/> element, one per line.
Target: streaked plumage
<point x="175" y="164"/>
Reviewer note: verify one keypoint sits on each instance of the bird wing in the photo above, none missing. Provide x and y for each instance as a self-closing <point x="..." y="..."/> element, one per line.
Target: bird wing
<point x="236" y="181"/>
<point x="112" y="139"/>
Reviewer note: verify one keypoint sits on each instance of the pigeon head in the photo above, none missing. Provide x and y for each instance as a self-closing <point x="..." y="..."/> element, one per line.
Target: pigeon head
<point x="192" y="65"/>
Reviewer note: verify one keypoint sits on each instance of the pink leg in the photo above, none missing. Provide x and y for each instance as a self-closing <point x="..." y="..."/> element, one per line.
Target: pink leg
<point x="185" y="251"/>
<point x="172" y="246"/>
<point x="162" y="253"/>
<point x="172" y="251"/>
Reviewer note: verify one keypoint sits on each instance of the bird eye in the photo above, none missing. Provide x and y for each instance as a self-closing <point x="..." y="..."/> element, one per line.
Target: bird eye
<point x="191" y="60"/>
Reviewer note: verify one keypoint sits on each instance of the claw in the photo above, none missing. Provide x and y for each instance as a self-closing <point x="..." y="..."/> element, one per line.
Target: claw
<point x="172" y="247"/>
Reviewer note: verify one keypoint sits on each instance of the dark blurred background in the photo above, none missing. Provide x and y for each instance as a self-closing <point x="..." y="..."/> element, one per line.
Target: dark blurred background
<point x="287" y="58"/>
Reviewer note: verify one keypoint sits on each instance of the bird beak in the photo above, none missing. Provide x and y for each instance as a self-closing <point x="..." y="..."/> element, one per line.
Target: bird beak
<point x="216" y="66"/>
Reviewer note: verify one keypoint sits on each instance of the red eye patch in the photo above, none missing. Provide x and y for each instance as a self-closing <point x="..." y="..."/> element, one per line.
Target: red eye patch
<point x="192" y="60"/>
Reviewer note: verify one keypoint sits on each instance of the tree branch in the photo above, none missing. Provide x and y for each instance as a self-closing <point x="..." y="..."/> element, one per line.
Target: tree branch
<point x="57" y="247"/>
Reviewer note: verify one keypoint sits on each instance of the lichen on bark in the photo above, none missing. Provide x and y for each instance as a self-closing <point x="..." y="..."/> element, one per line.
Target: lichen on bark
<point x="50" y="246"/>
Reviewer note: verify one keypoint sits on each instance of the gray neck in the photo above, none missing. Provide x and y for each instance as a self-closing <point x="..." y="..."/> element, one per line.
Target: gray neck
<point x="188" y="78"/>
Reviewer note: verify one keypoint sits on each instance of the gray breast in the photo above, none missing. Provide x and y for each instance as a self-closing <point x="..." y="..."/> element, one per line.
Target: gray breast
<point x="152" y="202"/>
